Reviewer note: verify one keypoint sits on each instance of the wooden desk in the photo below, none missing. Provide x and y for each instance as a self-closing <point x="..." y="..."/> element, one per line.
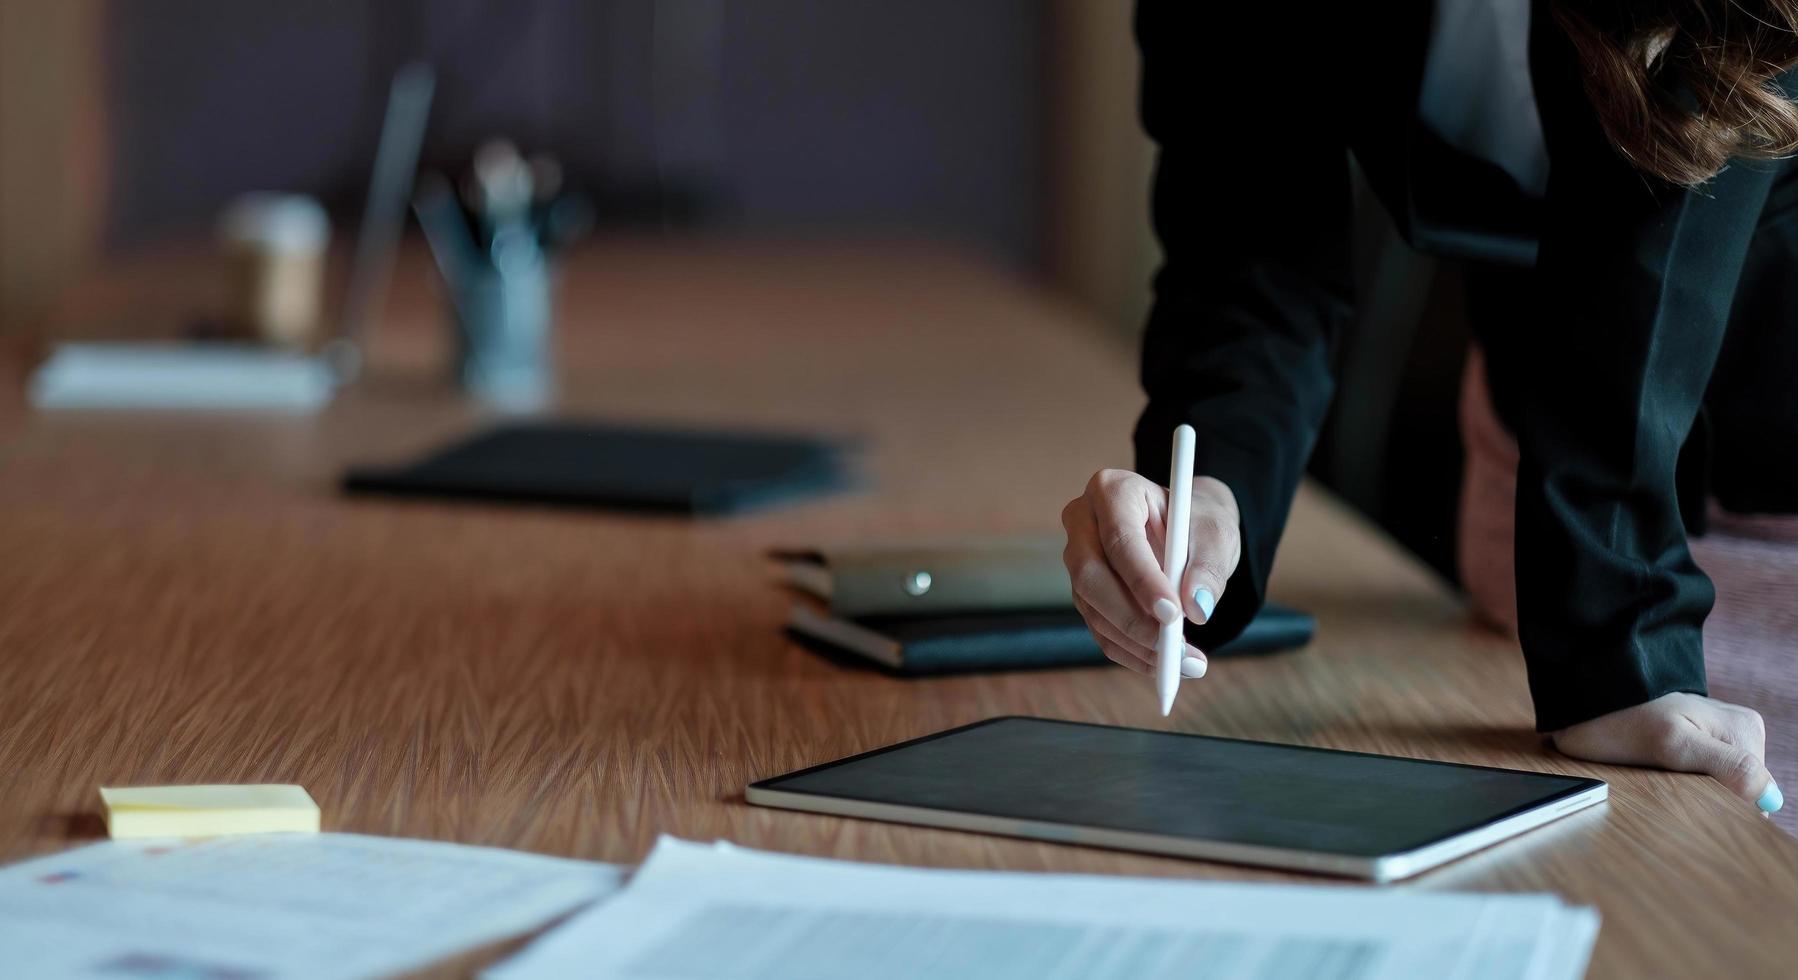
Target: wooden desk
<point x="188" y="599"/>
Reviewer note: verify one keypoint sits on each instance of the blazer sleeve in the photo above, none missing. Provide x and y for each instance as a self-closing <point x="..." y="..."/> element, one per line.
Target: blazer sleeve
<point x="1251" y="203"/>
<point x="1602" y="388"/>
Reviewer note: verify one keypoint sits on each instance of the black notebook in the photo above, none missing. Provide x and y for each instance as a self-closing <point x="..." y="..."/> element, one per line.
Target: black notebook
<point x="1010" y="640"/>
<point x="637" y="468"/>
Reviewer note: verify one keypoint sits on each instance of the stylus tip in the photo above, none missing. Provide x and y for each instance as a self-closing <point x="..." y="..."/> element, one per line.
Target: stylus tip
<point x="1167" y="703"/>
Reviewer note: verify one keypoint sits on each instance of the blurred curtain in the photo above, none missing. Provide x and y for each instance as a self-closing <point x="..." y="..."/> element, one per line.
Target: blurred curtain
<point x="51" y="152"/>
<point x="1100" y="248"/>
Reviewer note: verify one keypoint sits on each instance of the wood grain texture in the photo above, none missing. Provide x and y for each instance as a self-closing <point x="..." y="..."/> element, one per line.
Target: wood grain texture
<point x="188" y="599"/>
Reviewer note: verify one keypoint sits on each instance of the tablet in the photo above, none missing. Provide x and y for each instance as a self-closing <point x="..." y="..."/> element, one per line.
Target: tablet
<point x="1283" y="806"/>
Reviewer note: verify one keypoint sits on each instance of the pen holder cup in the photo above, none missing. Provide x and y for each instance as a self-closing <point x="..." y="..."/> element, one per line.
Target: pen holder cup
<point x="503" y="312"/>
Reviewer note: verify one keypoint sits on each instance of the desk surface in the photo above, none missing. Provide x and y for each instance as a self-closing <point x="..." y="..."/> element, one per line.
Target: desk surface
<point x="187" y="599"/>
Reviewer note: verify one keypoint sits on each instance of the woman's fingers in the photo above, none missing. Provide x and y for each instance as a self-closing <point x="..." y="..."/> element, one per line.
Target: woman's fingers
<point x="1123" y="656"/>
<point x="1122" y="507"/>
<point x="1109" y="638"/>
<point x="1118" y="583"/>
<point x="1733" y="749"/>
<point x="1738" y="726"/>
<point x="1732" y="765"/>
<point x="1126" y="631"/>
<point x="1214" y="549"/>
<point x="1193" y="663"/>
<point x="1190" y="666"/>
<point x="1686" y="733"/>
<point x="1096" y="583"/>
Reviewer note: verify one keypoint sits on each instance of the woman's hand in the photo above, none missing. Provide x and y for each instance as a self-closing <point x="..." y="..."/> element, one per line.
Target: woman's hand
<point x="1685" y="733"/>
<point x="1116" y="531"/>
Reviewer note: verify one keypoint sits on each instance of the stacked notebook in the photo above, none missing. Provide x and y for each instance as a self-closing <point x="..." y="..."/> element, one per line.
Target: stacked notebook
<point x="1002" y="604"/>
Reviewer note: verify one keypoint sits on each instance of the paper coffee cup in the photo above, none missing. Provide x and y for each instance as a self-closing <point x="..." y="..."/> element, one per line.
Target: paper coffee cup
<point x="275" y="246"/>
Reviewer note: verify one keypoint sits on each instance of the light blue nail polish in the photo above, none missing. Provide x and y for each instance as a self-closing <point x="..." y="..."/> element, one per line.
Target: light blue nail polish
<point x="1771" y="798"/>
<point x="1206" y="602"/>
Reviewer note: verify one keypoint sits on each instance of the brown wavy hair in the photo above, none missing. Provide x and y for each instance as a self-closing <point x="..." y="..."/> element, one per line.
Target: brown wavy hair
<point x="1681" y="86"/>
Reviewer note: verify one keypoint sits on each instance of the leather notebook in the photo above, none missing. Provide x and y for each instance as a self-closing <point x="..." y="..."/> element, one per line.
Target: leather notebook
<point x="622" y="467"/>
<point x="1011" y="640"/>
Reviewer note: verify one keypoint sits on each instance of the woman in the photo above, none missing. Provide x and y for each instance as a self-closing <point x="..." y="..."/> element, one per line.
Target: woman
<point x="1630" y="155"/>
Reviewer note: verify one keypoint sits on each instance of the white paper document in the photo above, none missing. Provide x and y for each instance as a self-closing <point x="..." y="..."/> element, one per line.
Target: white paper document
<point x="276" y="905"/>
<point x="697" y="911"/>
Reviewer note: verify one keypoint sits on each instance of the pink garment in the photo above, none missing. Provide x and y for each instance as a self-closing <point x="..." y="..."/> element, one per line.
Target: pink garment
<point x="1751" y="635"/>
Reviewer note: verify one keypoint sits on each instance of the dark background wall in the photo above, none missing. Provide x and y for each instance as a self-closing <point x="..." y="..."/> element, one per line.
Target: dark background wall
<point x="1007" y="125"/>
<point x="843" y="116"/>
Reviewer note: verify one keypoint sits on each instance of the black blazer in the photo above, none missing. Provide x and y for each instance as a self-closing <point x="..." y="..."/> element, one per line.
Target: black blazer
<point x="1602" y="372"/>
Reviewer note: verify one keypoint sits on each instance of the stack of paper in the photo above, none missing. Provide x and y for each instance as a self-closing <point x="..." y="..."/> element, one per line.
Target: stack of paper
<point x="276" y="905"/>
<point x="695" y="911"/>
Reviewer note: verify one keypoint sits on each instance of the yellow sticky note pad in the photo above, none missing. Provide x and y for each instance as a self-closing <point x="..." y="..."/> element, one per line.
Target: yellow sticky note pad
<point x="208" y="811"/>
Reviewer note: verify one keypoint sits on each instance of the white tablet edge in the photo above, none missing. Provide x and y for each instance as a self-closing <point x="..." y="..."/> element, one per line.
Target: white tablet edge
<point x="1382" y="869"/>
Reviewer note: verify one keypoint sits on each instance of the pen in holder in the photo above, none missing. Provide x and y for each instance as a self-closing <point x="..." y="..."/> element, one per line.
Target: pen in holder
<point x="498" y="272"/>
<point x="502" y="312"/>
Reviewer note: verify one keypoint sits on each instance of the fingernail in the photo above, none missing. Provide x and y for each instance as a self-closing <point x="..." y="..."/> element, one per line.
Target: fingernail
<point x="1206" y="602"/>
<point x="1193" y="667"/>
<point x="1771" y="798"/>
<point x="1166" y="611"/>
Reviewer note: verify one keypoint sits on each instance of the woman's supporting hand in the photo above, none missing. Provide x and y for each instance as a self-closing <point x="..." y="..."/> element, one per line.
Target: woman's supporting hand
<point x="1116" y="530"/>
<point x="1685" y="733"/>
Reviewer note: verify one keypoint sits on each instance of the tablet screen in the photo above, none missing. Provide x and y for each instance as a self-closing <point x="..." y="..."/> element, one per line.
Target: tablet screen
<point x="1217" y="789"/>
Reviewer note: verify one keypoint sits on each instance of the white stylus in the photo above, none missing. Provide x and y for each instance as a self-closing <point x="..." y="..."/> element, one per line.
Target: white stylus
<point x="1172" y="642"/>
